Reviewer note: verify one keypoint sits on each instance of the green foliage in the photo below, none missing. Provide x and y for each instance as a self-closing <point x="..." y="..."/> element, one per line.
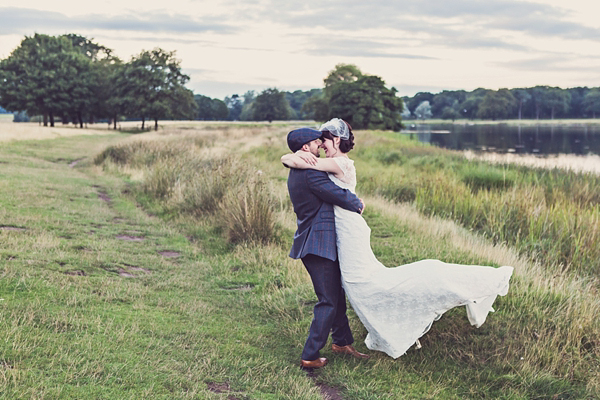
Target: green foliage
<point x="188" y="183"/>
<point x="366" y="104"/>
<point x="481" y="176"/>
<point x="270" y="105"/>
<point x="73" y="78"/>
<point x="497" y="104"/>
<point x="75" y="325"/>
<point x="591" y="102"/>
<point x="210" y="109"/>
<point x="297" y="100"/>
<point x="45" y="75"/>
<point x="152" y="86"/>
<point x="347" y="73"/>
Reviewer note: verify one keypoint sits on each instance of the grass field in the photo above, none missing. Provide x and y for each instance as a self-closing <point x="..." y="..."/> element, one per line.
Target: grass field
<point x="120" y="279"/>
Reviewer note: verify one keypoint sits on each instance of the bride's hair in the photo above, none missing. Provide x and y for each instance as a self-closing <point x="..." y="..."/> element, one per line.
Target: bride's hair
<point x="345" y="145"/>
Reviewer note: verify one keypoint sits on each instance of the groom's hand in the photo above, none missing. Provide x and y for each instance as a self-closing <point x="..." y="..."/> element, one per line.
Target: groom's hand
<point x="363" y="205"/>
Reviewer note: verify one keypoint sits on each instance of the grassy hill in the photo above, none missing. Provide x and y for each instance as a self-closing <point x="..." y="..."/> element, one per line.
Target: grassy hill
<point x="155" y="266"/>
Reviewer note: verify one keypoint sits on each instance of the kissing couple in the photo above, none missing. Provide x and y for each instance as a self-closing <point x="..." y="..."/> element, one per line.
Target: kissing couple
<point x="396" y="305"/>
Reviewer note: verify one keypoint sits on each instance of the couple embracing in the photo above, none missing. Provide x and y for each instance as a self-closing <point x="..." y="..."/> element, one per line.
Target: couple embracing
<point x="396" y="305"/>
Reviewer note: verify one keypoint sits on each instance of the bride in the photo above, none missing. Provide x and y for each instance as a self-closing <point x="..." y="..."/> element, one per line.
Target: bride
<point x="396" y="305"/>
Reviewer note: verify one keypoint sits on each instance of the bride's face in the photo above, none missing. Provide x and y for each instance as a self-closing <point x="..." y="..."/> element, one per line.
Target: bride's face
<point x="331" y="147"/>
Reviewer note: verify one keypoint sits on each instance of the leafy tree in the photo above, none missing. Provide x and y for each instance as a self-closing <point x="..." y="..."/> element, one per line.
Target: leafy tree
<point x="210" y="109"/>
<point x="446" y="99"/>
<point x="154" y="87"/>
<point x="342" y="73"/>
<point x="247" y="110"/>
<point x="297" y="99"/>
<point x="405" y="111"/>
<point x="234" y="105"/>
<point x="497" y="104"/>
<point x="576" y="107"/>
<point x="317" y="108"/>
<point x="450" y="113"/>
<point x="419" y="98"/>
<point x="537" y="96"/>
<point x="522" y="96"/>
<point x="591" y="102"/>
<point x="270" y="105"/>
<point x="556" y="101"/>
<point x="44" y="75"/>
<point x="366" y="103"/>
<point x="423" y="110"/>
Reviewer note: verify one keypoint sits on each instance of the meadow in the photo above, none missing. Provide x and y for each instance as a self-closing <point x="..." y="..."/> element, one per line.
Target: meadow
<point x="155" y="266"/>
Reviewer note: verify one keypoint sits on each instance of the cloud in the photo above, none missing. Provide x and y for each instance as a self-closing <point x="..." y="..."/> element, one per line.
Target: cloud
<point x="26" y="21"/>
<point x="551" y="62"/>
<point x="432" y="21"/>
<point x="325" y="45"/>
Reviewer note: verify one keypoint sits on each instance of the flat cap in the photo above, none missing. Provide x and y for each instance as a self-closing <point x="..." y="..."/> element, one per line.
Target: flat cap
<point x="299" y="137"/>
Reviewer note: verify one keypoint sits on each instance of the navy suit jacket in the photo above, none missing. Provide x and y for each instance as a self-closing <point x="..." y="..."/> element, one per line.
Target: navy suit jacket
<point x="313" y="195"/>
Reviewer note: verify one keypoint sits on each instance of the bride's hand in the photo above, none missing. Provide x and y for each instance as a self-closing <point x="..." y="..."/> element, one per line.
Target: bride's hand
<point x="307" y="157"/>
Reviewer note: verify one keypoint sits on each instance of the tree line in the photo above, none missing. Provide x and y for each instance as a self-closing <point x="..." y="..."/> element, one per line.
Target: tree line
<point x="534" y="102"/>
<point x="75" y="79"/>
<point x="361" y="99"/>
<point x="72" y="78"/>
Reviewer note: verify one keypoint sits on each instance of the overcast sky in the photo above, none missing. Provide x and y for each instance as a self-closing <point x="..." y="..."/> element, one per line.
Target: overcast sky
<point x="229" y="47"/>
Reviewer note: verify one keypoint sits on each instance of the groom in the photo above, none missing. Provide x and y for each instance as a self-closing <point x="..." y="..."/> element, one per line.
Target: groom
<point x="313" y="195"/>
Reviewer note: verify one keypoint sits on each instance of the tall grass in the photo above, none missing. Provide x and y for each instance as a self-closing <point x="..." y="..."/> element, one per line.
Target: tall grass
<point x="544" y="340"/>
<point x="190" y="181"/>
<point x="550" y="215"/>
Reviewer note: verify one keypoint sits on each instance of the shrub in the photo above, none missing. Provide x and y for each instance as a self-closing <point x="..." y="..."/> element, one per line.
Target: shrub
<point x="487" y="177"/>
<point x="249" y="215"/>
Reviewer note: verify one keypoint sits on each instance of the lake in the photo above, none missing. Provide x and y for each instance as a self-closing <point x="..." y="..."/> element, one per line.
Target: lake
<point x="573" y="146"/>
<point x="580" y="139"/>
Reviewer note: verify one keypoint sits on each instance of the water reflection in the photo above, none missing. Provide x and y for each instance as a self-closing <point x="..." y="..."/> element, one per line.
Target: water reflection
<point x="543" y="139"/>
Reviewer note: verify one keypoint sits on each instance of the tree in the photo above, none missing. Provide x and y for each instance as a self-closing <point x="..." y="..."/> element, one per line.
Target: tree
<point x="423" y="110"/>
<point x="447" y="98"/>
<point x="366" y="103"/>
<point x="522" y="96"/>
<point x="247" y="110"/>
<point x="317" y="108"/>
<point x="154" y="87"/>
<point x="417" y="99"/>
<point x="270" y="105"/>
<point x="297" y="99"/>
<point x="591" y="102"/>
<point x="210" y="109"/>
<point x="234" y="105"/>
<point x="405" y="111"/>
<point x="497" y="104"/>
<point x="556" y="101"/>
<point x="450" y="113"/>
<point x="44" y="75"/>
<point x="342" y="73"/>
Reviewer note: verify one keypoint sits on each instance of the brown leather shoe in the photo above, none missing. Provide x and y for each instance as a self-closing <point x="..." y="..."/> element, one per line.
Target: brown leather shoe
<point x="348" y="350"/>
<point x="318" y="363"/>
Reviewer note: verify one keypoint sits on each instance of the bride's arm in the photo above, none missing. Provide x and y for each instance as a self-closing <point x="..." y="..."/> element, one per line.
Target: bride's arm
<point x="320" y="164"/>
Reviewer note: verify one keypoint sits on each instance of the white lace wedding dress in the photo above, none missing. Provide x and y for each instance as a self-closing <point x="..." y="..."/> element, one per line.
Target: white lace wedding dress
<point x="398" y="305"/>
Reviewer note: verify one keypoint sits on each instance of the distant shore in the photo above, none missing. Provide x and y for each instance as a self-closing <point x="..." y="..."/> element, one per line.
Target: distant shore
<point x="580" y="121"/>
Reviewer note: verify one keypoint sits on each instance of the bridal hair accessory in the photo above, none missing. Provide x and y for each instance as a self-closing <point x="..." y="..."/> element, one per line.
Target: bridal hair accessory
<point x="337" y="127"/>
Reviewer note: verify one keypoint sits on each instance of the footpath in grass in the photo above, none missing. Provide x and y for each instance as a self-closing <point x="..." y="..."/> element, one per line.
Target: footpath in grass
<point x="102" y="299"/>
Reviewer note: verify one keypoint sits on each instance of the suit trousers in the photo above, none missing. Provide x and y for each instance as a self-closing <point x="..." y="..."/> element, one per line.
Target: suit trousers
<point x="330" y="310"/>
